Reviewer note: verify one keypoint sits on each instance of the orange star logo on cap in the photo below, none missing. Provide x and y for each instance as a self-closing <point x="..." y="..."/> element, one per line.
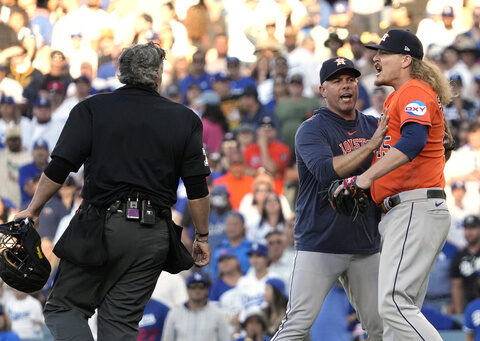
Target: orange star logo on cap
<point x="340" y="61"/>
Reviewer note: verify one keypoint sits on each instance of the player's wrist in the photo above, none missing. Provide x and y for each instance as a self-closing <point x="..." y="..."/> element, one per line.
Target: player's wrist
<point x="201" y="240"/>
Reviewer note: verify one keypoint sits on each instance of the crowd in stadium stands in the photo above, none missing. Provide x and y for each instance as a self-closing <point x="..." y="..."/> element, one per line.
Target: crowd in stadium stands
<point x="250" y="70"/>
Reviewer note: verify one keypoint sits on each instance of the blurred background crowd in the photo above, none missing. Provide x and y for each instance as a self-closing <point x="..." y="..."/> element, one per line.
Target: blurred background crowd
<point x="250" y="70"/>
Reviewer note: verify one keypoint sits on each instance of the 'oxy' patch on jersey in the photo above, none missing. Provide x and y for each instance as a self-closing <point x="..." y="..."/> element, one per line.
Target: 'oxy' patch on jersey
<point x="416" y="108"/>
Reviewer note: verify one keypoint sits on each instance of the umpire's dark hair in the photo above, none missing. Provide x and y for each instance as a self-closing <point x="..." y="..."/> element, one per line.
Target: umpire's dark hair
<point x="139" y="64"/>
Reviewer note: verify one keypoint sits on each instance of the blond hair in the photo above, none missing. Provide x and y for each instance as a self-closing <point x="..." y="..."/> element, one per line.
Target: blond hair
<point x="431" y="74"/>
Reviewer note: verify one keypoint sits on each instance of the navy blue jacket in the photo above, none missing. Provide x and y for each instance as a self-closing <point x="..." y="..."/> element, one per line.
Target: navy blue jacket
<point x="318" y="227"/>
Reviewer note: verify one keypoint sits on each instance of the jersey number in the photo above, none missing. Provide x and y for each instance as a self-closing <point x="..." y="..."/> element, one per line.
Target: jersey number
<point x="384" y="148"/>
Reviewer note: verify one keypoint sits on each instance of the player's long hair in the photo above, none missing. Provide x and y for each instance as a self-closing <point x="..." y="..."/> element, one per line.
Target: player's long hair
<point x="431" y="74"/>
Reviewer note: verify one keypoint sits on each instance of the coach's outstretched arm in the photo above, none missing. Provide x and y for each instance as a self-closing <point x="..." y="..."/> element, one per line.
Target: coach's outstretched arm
<point x="345" y="165"/>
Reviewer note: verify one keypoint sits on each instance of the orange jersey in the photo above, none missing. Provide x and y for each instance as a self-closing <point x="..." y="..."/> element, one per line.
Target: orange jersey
<point x="237" y="188"/>
<point x="279" y="152"/>
<point x="415" y="101"/>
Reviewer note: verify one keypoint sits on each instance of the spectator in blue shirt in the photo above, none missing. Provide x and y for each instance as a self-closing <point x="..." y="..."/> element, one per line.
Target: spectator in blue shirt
<point x="229" y="272"/>
<point x="238" y="83"/>
<point x="236" y="243"/>
<point x="150" y="327"/>
<point x="439" y="284"/>
<point x="471" y="324"/>
<point x="252" y="111"/>
<point x="28" y="173"/>
<point x="197" y="75"/>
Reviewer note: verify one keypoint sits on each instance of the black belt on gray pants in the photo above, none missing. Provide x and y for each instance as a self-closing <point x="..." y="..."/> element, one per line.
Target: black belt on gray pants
<point x="394" y="200"/>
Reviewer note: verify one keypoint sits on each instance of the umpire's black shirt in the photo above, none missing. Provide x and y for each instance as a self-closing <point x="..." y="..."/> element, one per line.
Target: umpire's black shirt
<point x="132" y="138"/>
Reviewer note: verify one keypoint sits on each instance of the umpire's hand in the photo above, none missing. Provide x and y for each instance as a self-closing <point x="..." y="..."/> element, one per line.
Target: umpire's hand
<point x="201" y="252"/>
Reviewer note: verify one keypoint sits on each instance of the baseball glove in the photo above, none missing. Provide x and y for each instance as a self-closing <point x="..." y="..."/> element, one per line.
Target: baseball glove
<point x="23" y="265"/>
<point x="351" y="201"/>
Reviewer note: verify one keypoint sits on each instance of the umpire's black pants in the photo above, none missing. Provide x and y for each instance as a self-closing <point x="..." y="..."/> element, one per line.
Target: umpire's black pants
<point x="120" y="289"/>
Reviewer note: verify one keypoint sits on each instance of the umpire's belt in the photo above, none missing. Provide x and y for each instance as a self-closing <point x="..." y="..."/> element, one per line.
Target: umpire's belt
<point x="416" y="194"/>
<point x="118" y="206"/>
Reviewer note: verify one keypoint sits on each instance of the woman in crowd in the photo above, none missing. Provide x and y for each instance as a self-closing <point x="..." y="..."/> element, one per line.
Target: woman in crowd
<point x="272" y="218"/>
<point x="276" y="299"/>
<point x="252" y="204"/>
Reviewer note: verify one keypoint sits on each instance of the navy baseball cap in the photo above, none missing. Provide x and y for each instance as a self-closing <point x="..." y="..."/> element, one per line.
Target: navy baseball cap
<point x="40" y="143"/>
<point x="333" y="65"/>
<point x="340" y="7"/>
<point x="233" y="60"/>
<point x="237" y="214"/>
<point x="458" y="184"/>
<point x="41" y="102"/>
<point x="266" y="121"/>
<point x="259" y="249"/>
<point x="448" y="12"/>
<point x="172" y="90"/>
<point x="7" y="100"/>
<point x="471" y="220"/>
<point x="82" y="79"/>
<point x="456" y="78"/>
<point x="198" y="277"/>
<point x="220" y="77"/>
<point x="226" y="254"/>
<point x="401" y="42"/>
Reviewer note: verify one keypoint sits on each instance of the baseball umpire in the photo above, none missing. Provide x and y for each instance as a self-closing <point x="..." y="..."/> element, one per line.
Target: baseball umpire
<point x="407" y="179"/>
<point x="134" y="145"/>
<point x="338" y="141"/>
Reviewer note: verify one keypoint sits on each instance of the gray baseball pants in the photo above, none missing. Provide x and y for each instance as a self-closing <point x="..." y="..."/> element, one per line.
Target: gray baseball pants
<point x="313" y="276"/>
<point x="414" y="233"/>
<point x="120" y="289"/>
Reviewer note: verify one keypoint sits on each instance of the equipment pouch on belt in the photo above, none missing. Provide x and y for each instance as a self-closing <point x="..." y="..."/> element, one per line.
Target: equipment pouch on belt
<point x="82" y="242"/>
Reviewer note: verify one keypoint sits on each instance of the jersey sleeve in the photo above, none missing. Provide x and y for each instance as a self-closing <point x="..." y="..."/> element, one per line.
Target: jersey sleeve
<point x="415" y="105"/>
<point x="75" y="141"/>
<point x="315" y="151"/>
<point x="195" y="161"/>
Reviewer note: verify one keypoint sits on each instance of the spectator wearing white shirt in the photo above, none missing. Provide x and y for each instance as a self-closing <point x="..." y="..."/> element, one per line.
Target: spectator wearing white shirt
<point x="26" y="314"/>
<point x="79" y="53"/>
<point x="83" y="87"/>
<point x="459" y="210"/>
<point x="10" y="116"/>
<point x="377" y="99"/>
<point x="42" y="125"/>
<point x="464" y="165"/>
<point x="10" y="87"/>
<point x="11" y="159"/>
<point x="281" y="262"/>
<point x="251" y="287"/>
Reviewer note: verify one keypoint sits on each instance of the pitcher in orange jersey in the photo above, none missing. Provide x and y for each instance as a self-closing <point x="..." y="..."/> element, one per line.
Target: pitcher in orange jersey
<point x="406" y="179"/>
